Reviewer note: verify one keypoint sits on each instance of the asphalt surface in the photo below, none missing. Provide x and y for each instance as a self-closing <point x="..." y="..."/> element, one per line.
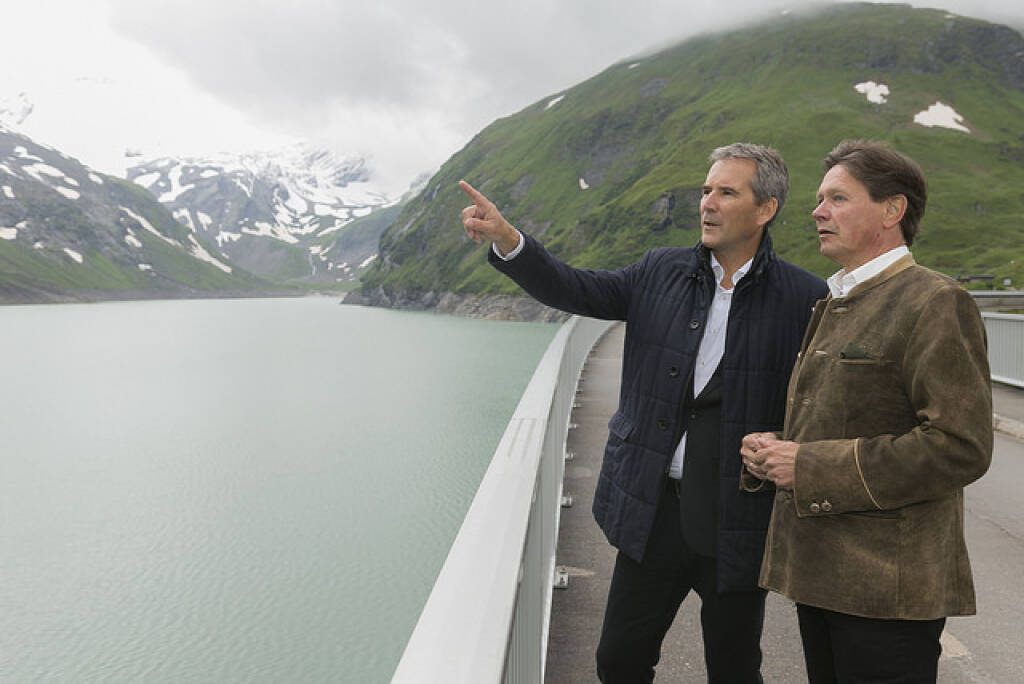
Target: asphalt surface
<point x="985" y="648"/>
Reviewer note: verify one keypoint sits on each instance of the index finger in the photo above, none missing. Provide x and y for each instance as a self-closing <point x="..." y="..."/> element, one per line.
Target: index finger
<point x="477" y="196"/>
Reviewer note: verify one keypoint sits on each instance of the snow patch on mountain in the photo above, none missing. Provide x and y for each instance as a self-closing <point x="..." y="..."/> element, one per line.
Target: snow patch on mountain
<point x="874" y="92"/>
<point x="199" y="252"/>
<point x="146" y="225"/>
<point x="941" y="115"/>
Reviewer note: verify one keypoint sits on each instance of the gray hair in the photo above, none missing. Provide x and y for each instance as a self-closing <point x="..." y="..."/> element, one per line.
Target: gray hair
<point x="771" y="177"/>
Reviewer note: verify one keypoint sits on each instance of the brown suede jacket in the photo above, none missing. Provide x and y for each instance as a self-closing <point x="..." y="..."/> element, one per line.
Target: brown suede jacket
<point x="891" y="403"/>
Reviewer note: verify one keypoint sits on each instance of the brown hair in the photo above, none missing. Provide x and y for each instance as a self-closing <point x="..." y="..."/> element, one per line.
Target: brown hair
<point x="885" y="173"/>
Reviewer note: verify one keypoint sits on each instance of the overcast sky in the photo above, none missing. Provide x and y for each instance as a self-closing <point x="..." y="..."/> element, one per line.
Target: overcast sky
<point x="405" y="83"/>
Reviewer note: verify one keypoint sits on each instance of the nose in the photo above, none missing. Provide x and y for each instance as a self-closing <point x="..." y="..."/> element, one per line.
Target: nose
<point x="707" y="200"/>
<point x="819" y="212"/>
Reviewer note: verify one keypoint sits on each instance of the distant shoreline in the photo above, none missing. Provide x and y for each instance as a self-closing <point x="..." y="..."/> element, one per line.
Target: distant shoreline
<point x="34" y="298"/>
<point x="490" y="307"/>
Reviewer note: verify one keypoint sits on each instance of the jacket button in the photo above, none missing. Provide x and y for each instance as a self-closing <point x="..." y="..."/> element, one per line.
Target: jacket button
<point x="662" y="424"/>
<point x="815" y="507"/>
<point x="673" y="372"/>
<point x="805" y="401"/>
<point x="694" y="324"/>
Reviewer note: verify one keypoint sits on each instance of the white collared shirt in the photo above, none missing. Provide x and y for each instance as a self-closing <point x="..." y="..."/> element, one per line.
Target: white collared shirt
<point x="841" y="282"/>
<point x="514" y="253"/>
<point x="712" y="346"/>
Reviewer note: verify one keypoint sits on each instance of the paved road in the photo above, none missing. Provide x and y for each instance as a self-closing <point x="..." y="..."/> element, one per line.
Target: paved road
<point x="985" y="648"/>
<point x="988" y="647"/>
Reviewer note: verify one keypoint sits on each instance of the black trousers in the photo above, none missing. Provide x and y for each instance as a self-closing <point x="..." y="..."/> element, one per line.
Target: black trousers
<point x="846" y="649"/>
<point x="643" y="600"/>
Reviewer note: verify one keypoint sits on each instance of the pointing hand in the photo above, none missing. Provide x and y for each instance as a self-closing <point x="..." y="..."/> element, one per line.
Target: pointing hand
<point x="482" y="220"/>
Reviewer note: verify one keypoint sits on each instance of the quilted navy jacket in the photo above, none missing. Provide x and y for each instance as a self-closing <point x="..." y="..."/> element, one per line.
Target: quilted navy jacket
<point x="664" y="300"/>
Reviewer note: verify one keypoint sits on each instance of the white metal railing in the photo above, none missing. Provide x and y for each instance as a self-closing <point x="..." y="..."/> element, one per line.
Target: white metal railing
<point x="486" y="620"/>
<point x="1005" y="347"/>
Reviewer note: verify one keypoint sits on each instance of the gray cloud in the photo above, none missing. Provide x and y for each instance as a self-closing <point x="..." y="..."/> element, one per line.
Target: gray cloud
<point x="410" y="81"/>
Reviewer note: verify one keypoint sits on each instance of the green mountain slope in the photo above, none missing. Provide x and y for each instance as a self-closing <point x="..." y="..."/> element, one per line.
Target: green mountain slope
<point x="613" y="166"/>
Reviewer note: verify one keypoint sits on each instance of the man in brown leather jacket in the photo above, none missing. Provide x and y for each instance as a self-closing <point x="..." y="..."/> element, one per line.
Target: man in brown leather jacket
<point x="888" y="417"/>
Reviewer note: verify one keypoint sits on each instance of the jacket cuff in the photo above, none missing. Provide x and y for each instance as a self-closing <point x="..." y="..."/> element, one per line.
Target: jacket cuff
<point x="827" y="479"/>
<point x="749" y="483"/>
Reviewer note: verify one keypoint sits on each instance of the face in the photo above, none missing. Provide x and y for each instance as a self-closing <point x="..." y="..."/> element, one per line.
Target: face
<point x="851" y="226"/>
<point x="731" y="220"/>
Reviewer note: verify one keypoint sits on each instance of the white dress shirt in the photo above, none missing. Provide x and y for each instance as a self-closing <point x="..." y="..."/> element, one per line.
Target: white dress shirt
<point x="712" y="346"/>
<point x="840" y="283"/>
<point x="514" y="253"/>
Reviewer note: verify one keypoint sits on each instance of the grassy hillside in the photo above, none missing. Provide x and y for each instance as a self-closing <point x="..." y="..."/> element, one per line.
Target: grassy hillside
<point x="639" y="133"/>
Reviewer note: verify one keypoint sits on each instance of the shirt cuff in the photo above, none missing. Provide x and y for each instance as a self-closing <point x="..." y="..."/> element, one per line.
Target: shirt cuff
<point x="514" y="253"/>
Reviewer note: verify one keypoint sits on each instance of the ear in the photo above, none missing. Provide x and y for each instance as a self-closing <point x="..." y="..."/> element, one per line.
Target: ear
<point x="766" y="210"/>
<point x="895" y="208"/>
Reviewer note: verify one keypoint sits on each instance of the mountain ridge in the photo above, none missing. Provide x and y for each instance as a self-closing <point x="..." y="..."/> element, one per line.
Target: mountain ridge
<point x="297" y="218"/>
<point x="608" y="168"/>
<point x="270" y="211"/>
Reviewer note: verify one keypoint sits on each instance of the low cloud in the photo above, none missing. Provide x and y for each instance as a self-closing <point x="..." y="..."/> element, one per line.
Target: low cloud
<point x="408" y="83"/>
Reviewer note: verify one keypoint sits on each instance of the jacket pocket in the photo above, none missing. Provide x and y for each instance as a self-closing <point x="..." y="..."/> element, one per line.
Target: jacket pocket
<point x="891" y="514"/>
<point x="619" y="427"/>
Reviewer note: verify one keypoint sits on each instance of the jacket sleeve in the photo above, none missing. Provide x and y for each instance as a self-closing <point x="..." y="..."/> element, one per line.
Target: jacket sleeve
<point x="945" y="373"/>
<point x="597" y="294"/>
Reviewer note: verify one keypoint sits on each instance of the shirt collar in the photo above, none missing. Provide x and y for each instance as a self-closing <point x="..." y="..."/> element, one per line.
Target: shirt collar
<point x="719" y="272"/>
<point x="841" y="282"/>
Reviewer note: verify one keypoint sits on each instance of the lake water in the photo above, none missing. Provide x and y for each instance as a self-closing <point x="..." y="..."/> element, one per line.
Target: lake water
<point x="236" y="490"/>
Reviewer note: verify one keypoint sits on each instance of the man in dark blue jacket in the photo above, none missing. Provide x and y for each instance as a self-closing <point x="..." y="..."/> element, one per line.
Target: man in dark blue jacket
<point x="712" y="333"/>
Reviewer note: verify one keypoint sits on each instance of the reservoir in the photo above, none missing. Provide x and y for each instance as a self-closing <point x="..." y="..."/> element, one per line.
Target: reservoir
<point x="237" y="490"/>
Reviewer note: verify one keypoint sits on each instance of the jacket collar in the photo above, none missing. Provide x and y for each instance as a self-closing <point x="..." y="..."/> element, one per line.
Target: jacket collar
<point x="700" y="264"/>
<point x="898" y="266"/>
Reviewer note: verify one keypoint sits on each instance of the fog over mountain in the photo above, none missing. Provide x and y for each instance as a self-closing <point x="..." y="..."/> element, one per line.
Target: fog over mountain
<point x="399" y="83"/>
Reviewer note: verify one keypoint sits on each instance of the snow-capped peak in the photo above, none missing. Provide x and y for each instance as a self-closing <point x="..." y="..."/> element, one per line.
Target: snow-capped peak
<point x="248" y="204"/>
